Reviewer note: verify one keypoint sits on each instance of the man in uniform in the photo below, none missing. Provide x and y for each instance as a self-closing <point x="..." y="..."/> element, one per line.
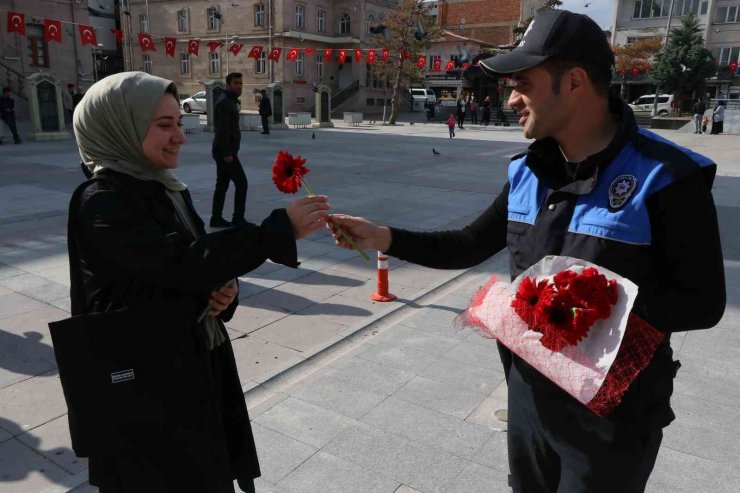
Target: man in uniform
<point x="225" y="150"/>
<point x="265" y="111"/>
<point x="596" y="187"/>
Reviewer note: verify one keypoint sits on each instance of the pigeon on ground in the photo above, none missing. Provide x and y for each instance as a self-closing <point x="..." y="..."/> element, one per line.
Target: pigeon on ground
<point x="434" y="151"/>
<point x="313" y="135"/>
<point x="411" y="123"/>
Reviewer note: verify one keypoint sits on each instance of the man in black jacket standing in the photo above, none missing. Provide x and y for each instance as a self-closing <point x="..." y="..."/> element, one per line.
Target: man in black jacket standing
<point x="593" y="186"/>
<point x="265" y="112"/>
<point x="7" y="112"/>
<point x="225" y="150"/>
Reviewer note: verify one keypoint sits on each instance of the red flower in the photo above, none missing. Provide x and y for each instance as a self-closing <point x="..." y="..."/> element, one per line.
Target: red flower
<point x="288" y="171"/>
<point x="563" y="278"/>
<point x="528" y="296"/>
<point x="555" y="320"/>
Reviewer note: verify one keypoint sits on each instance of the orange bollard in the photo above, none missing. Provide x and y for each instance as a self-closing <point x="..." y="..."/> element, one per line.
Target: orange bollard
<point x="382" y="294"/>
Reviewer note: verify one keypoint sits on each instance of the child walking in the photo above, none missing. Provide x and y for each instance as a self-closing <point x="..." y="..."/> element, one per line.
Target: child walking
<point x="704" y="123"/>
<point x="451" y="125"/>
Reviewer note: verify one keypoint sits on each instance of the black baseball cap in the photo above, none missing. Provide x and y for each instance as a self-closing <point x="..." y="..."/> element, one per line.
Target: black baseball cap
<point x="557" y="34"/>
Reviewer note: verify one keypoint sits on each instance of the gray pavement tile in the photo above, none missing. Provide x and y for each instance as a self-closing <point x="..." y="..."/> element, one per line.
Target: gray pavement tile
<point x="5" y="291"/>
<point x="408" y="462"/>
<point x="252" y="285"/>
<point x="305" y="422"/>
<point x="325" y="473"/>
<point x="258" y="360"/>
<point x="4" y="434"/>
<point x="262" y="486"/>
<point x="464" y="375"/>
<point x="35" y="263"/>
<point x="494" y="454"/>
<point x="483" y="355"/>
<point x="434" y="318"/>
<point x="84" y="488"/>
<point x="485" y="413"/>
<point x="31" y="403"/>
<point x="286" y="301"/>
<point x="366" y="374"/>
<point x="278" y="454"/>
<point x="7" y="271"/>
<point x="429" y="427"/>
<point x="310" y="292"/>
<point x="419" y="340"/>
<point x="347" y="311"/>
<point x="364" y="291"/>
<point x="23" y="470"/>
<point x="720" y="390"/>
<point x="330" y="280"/>
<point x="441" y="397"/>
<point x="479" y="479"/>
<point x="301" y="333"/>
<point x="309" y="248"/>
<point x="703" y="413"/>
<point x="34" y="321"/>
<point x="22" y="357"/>
<point x="251" y="315"/>
<point x="53" y="442"/>
<point x="63" y="304"/>
<point x="696" y="474"/>
<point x="340" y="396"/>
<point x="48" y="292"/>
<point x="23" y="282"/>
<point x="406" y="489"/>
<point x="316" y="263"/>
<point x="399" y="357"/>
<point x="418" y="278"/>
<point x="286" y="274"/>
<point x="360" y="268"/>
<point x="716" y="445"/>
<point x="59" y="274"/>
<point x="14" y="304"/>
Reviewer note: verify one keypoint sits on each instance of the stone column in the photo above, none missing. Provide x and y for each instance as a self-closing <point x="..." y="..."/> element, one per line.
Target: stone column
<point x="214" y="89"/>
<point x="45" y="107"/>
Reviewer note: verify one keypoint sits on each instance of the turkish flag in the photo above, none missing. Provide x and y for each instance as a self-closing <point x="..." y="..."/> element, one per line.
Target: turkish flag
<point x="466" y="66"/>
<point x="309" y="51"/>
<point x="146" y="43"/>
<point x="118" y="34"/>
<point x="384" y="55"/>
<point x="275" y="54"/>
<point x="87" y="35"/>
<point x="52" y="30"/>
<point x="327" y="54"/>
<point x="193" y="47"/>
<point x="342" y="56"/>
<point x="450" y="66"/>
<point x="235" y="48"/>
<point x="405" y="55"/>
<point x="421" y="62"/>
<point x="213" y="46"/>
<point x="255" y="52"/>
<point x="292" y="54"/>
<point x="358" y="55"/>
<point x="371" y="56"/>
<point x="169" y="47"/>
<point x="437" y="67"/>
<point x="17" y="23"/>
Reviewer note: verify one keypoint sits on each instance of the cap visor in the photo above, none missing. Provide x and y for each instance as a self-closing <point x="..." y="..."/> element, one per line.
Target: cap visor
<point x="511" y="62"/>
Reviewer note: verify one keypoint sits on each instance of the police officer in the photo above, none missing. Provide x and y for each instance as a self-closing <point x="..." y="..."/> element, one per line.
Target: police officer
<point x="225" y="150"/>
<point x="596" y="187"/>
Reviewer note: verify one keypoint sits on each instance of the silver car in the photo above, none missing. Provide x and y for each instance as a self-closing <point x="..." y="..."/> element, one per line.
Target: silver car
<point x="195" y="103"/>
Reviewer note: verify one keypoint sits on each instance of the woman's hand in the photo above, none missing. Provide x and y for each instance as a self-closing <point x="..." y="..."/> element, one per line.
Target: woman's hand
<point x="221" y="299"/>
<point x="307" y="214"/>
<point x="366" y="234"/>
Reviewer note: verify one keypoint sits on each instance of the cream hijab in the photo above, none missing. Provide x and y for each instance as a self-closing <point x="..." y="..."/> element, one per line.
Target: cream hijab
<point x="111" y="121"/>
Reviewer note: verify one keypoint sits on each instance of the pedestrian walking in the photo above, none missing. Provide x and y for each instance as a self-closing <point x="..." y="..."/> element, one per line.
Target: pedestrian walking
<point x="225" y="151"/>
<point x="473" y="112"/>
<point x="718" y="118"/>
<point x="460" y="112"/>
<point x="146" y="257"/>
<point x="585" y="188"/>
<point x="486" y="116"/>
<point x="265" y="110"/>
<point x="68" y="102"/>
<point x="451" y="125"/>
<point x="699" y="109"/>
<point x="7" y="113"/>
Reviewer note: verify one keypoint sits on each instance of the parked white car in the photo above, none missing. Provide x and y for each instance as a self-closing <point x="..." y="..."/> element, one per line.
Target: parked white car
<point x="195" y="103"/>
<point x="424" y="93"/>
<point x="644" y="104"/>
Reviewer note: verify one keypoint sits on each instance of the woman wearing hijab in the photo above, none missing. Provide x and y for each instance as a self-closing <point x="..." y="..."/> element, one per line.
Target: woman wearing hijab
<point x="718" y="118"/>
<point x="139" y="242"/>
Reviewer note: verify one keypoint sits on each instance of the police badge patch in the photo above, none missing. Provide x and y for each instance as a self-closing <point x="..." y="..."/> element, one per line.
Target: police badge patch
<point x="621" y="190"/>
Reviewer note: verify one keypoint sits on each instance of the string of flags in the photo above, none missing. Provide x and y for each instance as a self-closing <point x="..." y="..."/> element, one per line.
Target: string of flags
<point x="52" y="32"/>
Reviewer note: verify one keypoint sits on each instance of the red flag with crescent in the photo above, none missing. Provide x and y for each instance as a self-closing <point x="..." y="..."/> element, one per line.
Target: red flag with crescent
<point x="358" y="55"/>
<point x="17" y="23"/>
<point x="213" y="46"/>
<point x="405" y="55"/>
<point x="52" y="30"/>
<point x="437" y="67"/>
<point x="309" y="51"/>
<point x="255" y="52"/>
<point x="169" y="46"/>
<point x="146" y="43"/>
<point x="371" y="56"/>
<point x="275" y="54"/>
<point x="385" y="54"/>
<point x="87" y="35"/>
<point x="193" y="47"/>
<point x="292" y="54"/>
<point x="118" y="34"/>
<point x="235" y="48"/>
<point x="421" y="62"/>
<point x="466" y="66"/>
<point x="342" y="56"/>
<point x="327" y="54"/>
<point x="450" y="66"/>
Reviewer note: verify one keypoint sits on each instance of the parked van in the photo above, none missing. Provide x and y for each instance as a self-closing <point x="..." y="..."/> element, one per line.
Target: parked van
<point x="644" y="104"/>
<point x="422" y="97"/>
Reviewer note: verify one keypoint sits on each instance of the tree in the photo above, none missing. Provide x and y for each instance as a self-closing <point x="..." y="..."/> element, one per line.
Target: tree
<point x="684" y="64"/>
<point x="408" y="30"/>
<point x="635" y="55"/>
<point x="520" y="30"/>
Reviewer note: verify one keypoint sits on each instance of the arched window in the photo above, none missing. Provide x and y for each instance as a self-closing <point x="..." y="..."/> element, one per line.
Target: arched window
<point x="370" y="23"/>
<point x="344" y="24"/>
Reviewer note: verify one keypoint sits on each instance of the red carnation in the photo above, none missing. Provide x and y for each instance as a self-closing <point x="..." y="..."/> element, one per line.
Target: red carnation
<point x="563" y="278"/>
<point x="527" y="297"/>
<point x="555" y="320"/>
<point x="288" y="172"/>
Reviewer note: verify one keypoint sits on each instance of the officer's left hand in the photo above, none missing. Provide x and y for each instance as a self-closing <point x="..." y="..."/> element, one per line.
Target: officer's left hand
<point x="221" y="299"/>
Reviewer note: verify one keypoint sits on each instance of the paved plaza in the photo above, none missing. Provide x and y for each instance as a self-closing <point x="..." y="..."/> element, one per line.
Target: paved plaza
<point x="348" y="395"/>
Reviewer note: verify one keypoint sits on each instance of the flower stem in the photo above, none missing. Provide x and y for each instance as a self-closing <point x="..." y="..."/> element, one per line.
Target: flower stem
<point x="344" y="235"/>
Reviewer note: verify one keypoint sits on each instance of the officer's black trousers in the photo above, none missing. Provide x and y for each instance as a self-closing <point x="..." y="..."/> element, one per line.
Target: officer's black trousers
<point x="557" y="445"/>
<point x="226" y="172"/>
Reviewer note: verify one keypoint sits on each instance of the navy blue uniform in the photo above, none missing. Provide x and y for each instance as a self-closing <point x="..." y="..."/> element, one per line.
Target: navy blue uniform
<point x="642" y="208"/>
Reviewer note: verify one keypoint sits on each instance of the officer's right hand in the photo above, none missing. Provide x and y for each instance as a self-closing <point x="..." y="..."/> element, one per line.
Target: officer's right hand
<point x="229" y="159"/>
<point x="365" y="234"/>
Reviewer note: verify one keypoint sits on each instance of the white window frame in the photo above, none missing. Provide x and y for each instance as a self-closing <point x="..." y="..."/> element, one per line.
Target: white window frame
<point x="431" y="62"/>
<point x="730" y="14"/>
<point x="143" y="23"/>
<point x="345" y="24"/>
<point x="184" y="63"/>
<point x="321" y="21"/>
<point x="300" y="16"/>
<point x="725" y="55"/>
<point x="369" y="22"/>
<point x="212" y="24"/>
<point x="259" y="15"/>
<point x="300" y="65"/>
<point x="320" y="66"/>
<point x="146" y="62"/>
<point x="214" y="63"/>
<point x="183" y="19"/>
<point x="260" y="64"/>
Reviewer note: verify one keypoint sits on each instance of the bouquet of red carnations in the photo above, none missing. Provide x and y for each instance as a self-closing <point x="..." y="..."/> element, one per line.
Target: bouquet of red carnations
<point x="571" y="321"/>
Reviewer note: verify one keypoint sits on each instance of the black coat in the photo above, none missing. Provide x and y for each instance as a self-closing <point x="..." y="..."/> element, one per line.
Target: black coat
<point x="134" y="250"/>
<point x="227" y="135"/>
<point x="265" y="106"/>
